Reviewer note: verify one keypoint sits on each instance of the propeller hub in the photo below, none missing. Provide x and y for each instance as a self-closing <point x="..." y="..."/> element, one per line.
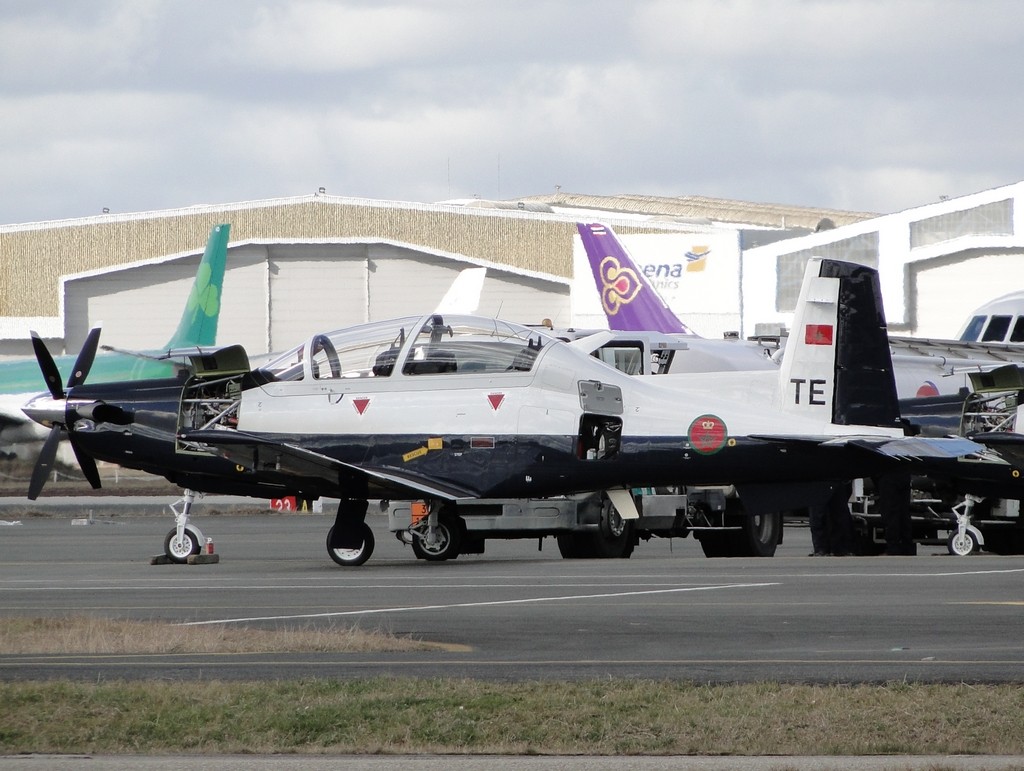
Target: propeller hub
<point x="46" y="410"/>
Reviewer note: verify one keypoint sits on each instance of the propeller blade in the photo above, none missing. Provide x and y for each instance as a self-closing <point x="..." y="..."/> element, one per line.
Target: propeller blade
<point x="44" y="465"/>
<point x="85" y="358"/>
<point x="86" y="462"/>
<point x="48" y="366"/>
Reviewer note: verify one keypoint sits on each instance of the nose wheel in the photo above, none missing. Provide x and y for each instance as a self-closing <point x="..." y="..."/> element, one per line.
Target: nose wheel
<point x="180" y="548"/>
<point x="185" y="539"/>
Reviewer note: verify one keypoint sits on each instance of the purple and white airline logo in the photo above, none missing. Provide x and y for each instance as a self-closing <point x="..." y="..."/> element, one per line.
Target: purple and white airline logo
<point x="620" y="285"/>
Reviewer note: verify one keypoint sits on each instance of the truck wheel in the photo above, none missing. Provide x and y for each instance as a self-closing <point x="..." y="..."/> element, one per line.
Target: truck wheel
<point x="761" y="534"/>
<point x="614" y="538"/>
<point x="757" y="536"/>
<point x="716" y="543"/>
<point x="575" y="546"/>
<point x="447" y="537"/>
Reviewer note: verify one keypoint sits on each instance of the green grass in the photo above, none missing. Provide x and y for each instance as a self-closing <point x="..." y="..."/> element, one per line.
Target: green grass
<point x="607" y="717"/>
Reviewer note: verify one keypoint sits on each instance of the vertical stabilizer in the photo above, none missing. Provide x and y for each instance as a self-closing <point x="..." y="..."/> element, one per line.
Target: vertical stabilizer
<point x="837" y="365"/>
<point x="198" y="325"/>
<point x="629" y="302"/>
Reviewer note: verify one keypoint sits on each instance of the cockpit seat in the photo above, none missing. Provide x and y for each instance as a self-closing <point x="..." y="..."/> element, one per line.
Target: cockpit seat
<point x="435" y="362"/>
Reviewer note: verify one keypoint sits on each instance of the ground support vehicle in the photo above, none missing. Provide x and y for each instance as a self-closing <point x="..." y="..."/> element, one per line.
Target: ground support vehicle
<point x="588" y="526"/>
<point x="964" y="511"/>
<point x="965" y="525"/>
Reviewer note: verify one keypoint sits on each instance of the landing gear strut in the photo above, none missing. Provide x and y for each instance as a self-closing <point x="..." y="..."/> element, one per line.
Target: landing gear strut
<point x="185" y="539"/>
<point x="966" y="539"/>
<point x="438" y="536"/>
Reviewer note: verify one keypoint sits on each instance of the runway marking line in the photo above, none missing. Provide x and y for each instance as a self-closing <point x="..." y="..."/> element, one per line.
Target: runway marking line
<point x="492" y="603"/>
<point x="987" y="602"/>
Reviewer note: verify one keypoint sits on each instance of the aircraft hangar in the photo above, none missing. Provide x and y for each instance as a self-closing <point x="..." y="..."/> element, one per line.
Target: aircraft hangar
<point x="300" y="264"/>
<point x="313" y="262"/>
<point x="279" y="292"/>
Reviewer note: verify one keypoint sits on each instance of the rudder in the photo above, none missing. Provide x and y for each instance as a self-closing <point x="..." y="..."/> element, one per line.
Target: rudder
<point x="837" y="362"/>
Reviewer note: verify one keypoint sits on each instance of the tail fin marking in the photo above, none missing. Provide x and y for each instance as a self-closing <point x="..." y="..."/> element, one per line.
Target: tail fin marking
<point x="837" y="363"/>
<point x="198" y="325"/>
<point x="629" y="302"/>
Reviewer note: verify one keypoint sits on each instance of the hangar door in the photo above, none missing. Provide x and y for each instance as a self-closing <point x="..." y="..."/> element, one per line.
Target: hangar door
<point x="314" y="288"/>
<point x="947" y="294"/>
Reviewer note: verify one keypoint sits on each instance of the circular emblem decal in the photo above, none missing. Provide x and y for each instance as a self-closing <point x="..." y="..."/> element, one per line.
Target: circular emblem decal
<point x="707" y="434"/>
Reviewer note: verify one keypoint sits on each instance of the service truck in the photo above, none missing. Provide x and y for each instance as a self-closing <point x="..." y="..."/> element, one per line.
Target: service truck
<point x="589" y="526"/>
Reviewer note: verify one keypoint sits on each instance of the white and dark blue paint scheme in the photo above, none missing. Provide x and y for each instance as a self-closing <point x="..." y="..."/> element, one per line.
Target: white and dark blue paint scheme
<point x="446" y="407"/>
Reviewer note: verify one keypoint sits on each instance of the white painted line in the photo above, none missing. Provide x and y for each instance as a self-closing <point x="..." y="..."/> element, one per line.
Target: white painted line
<point x="470" y="604"/>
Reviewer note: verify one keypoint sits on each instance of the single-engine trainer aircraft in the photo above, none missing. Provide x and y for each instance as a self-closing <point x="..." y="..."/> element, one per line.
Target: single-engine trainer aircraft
<point x="449" y="407"/>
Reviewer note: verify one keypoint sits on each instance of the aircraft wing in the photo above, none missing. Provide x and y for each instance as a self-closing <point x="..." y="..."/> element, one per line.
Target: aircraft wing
<point x="907" y="447"/>
<point x="915" y="447"/>
<point x="1008" y="445"/>
<point x="250" y="451"/>
<point x="990" y="354"/>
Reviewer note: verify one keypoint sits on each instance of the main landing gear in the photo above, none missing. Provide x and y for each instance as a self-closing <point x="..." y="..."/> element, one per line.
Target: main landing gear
<point x="350" y="541"/>
<point x="436" y="534"/>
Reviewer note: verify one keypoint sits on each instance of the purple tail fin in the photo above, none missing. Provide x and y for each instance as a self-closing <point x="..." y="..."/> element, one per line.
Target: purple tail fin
<point x="630" y="303"/>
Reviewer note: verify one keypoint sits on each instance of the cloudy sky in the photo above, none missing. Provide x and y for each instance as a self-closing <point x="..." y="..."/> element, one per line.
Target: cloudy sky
<point x="136" y="105"/>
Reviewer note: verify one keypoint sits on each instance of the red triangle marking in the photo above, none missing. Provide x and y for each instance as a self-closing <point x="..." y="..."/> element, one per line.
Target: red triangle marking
<point x="361" y="404"/>
<point x="495" y="400"/>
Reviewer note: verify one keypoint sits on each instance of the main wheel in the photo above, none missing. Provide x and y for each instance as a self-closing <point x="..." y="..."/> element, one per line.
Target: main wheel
<point x="352" y="557"/>
<point x="962" y="545"/>
<point x="179" y="550"/>
<point x="447" y="538"/>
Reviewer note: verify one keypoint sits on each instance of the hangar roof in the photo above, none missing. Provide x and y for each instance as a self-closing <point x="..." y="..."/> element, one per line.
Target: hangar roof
<point x="698" y="207"/>
<point x="529" y="235"/>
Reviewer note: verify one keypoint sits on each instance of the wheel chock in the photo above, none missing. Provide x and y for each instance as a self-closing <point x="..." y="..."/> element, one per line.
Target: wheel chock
<point x="193" y="559"/>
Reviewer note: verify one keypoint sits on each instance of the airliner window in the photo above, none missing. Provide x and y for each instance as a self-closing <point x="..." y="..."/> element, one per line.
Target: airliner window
<point x="996" y="329"/>
<point x="973" y="330"/>
<point x="1017" y="335"/>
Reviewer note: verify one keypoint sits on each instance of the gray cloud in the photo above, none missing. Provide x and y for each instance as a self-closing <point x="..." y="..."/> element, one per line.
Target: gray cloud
<point x="857" y="104"/>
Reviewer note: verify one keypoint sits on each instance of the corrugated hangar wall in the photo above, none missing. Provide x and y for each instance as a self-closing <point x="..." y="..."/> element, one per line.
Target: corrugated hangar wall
<point x="33" y="258"/>
<point x="276" y="295"/>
